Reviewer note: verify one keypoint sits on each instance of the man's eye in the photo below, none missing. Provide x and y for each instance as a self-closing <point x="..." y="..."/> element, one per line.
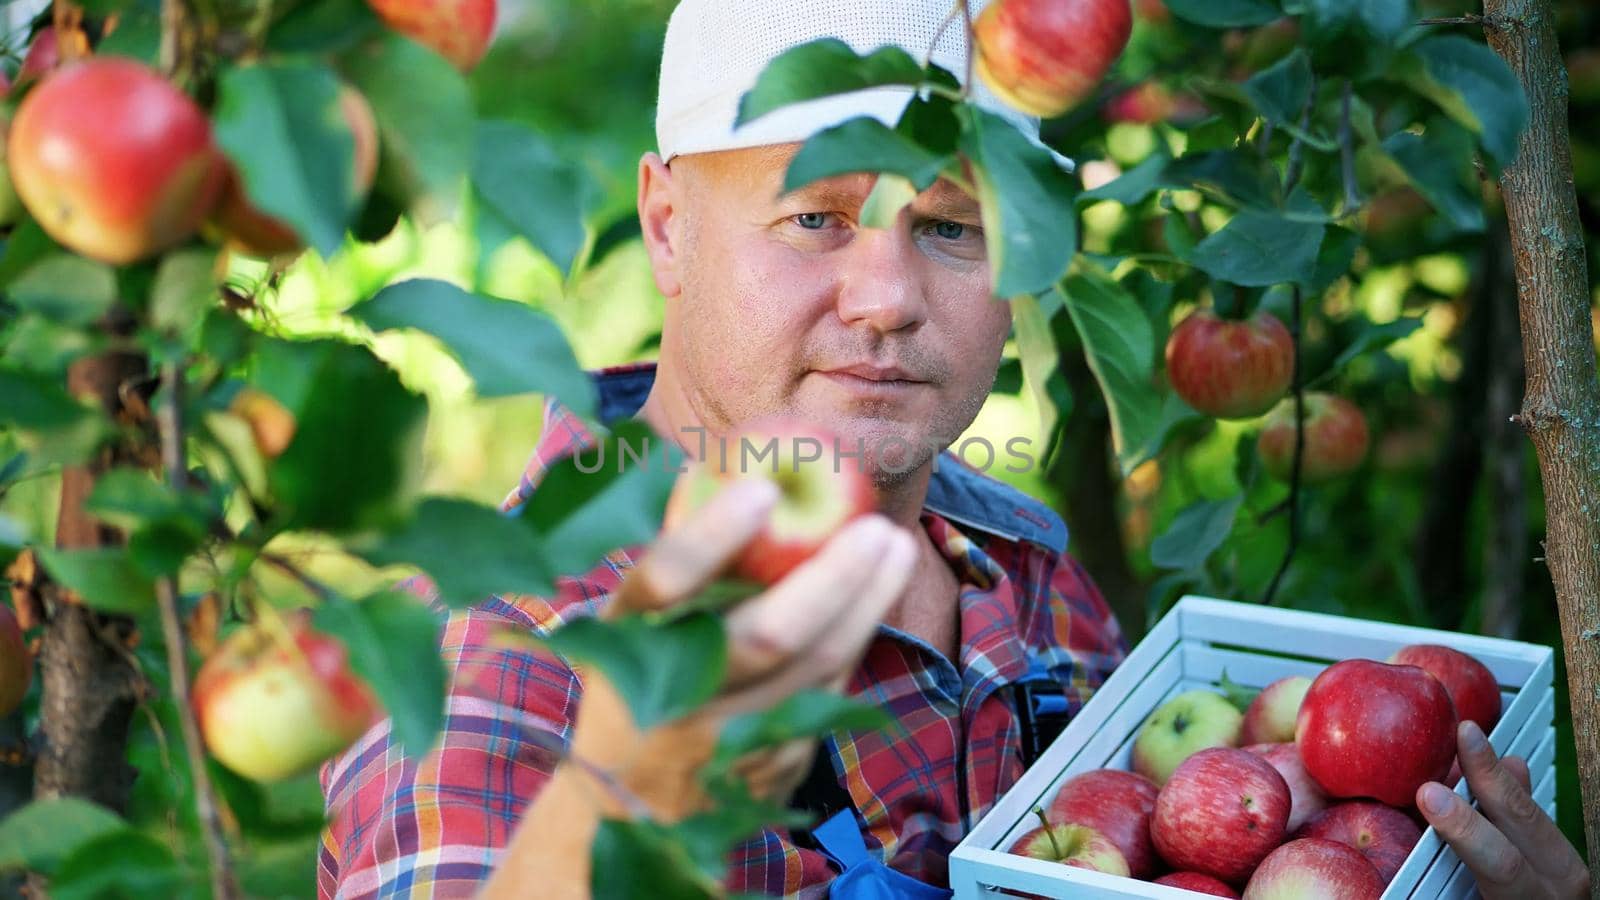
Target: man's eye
<point x="813" y="221"/>
<point x="950" y="231"/>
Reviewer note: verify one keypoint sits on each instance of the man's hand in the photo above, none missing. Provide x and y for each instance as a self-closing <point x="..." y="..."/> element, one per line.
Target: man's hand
<point x="1512" y="848"/>
<point x="807" y="631"/>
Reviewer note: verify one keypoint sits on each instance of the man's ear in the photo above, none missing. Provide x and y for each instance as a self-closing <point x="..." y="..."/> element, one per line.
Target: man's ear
<point x="659" y="221"/>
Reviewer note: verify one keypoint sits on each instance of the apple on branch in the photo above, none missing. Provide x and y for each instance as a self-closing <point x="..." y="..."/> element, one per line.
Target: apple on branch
<point x="1383" y="834"/>
<point x="277" y="698"/>
<point x="1045" y="56"/>
<point x="1078" y="846"/>
<point x="1118" y="805"/>
<point x="1369" y="729"/>
<point x="458" y="30"/>
<point x="1314" y="869"/>
<point x="1230" y="369"/>
<point x="1471" y="686"/>
<point x="1335" y="439"/>
<point x="1221" y="813"/>
<point x="1189" y="722"/>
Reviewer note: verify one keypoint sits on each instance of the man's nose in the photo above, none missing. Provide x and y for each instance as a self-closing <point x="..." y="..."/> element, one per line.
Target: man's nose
<point x="879" y="285"/>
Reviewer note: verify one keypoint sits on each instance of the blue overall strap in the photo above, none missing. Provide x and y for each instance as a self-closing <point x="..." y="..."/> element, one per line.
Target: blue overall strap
<point x="862" y="877"/>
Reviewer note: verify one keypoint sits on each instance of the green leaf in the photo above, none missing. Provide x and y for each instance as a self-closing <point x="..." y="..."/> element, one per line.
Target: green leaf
<point x="1240" y="696"/>
<point x="1118" y="345"/>
<point x="130" y="498"/>
<point x="1374" y="337"/>
<point x="105" y="577"/>
<point x="39" y="344"/>
<point x="393" y="641"/>
<point x="810" y="713"/>
<point x="353" y="461"/>
<point x="1333" y="259"/>
<point x="863" y="145"/>
<point x="185" y="287"/>
<point x="1195" y="533"/>
<point x="628" y="854"/>
<point x="1041" y="361"/>
<point x="735" y="817"/>
<point x="825" y="67"/>
<point x="1258" y="249"/>
<point x="1134" y="185"/>
<point x="1439" y="166"/>
<point x="27" y="245"/>
<point x="1355" y="36"/>
<point x="889" y="194"/>
<point x="1238" y="177"/>
<point x="425" y="119"/>
<point x="281" y="125"/>
<point x="326" y="26"/>
<point x="1030" y="225"/>
<point x="66" y="288"/>
<point x="518" y="176"/>
<point x="118" y="864"/>
<point x="45" y="832"/>
<point x="1226" y="13"/>
<point x="663" y="669"/>
<point x="1475" y="87"/>
<point x="53" y="426"/>
<point x="470" y="551"/>
<point x="1281" y="92"/>
<point x="507" y="347"/>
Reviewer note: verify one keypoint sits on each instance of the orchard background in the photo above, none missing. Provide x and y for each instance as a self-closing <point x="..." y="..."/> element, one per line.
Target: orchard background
<point x="515" y="181"/>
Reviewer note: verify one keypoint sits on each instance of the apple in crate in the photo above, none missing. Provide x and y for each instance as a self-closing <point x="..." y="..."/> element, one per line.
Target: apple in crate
<point x="1383" y="834"/>
<point x="1306" y="796"/>
<point x="1189" y="722"/>
<point x="1369" y="729"/>
<point x="1078" y="846"/>
<point x="1270" y="717"/>
<point x="1314" y="869"/>
<point x="1199" y="883"/>
<point x="1118" y="805"/>
<point x="1221" y="813"/>
<point x="1470" y="684"/>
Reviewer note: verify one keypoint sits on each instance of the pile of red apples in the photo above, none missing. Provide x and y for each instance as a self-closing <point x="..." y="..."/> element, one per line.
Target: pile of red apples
<point x="1308" y="794"/>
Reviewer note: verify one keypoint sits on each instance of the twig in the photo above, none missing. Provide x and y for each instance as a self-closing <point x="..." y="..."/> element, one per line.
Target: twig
<point x="317" y="588"/>
<point x="972" y="48"/>
<point x="1468" y="19"/>
<point x="1297" y="149"/>
<point x="1347" y="155"/>
<point x="955" y="10"/>
<point x="1299" y="451"/>
<point x="170" y="424"/>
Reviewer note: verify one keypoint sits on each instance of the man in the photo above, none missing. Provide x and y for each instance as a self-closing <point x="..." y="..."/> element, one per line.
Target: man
<point x="936" y="609"/>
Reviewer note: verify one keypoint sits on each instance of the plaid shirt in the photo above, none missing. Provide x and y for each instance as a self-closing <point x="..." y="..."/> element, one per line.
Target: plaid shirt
<point x="433" y="826"/>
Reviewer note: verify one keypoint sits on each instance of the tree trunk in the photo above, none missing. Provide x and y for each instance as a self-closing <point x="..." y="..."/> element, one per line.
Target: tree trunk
<point x="1561" y="409"/>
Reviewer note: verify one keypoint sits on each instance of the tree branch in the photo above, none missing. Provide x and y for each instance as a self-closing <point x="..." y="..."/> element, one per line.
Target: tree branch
<point x="1293" y="502"/>
<point x="1347" y="154"/>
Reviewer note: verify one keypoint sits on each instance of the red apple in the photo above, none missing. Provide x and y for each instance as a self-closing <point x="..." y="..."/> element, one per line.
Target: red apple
<point x="817" y="495"/>
<point x="1200" y="884"/>
<point x="1470" y="684"/>
<point x="16" y="663"/>
<point x="1189" y="722"/>
<point x="113" y="161"/>
<point x="1150" y="102"/>
<point x="1118" y="805"/>
<point x="1270" y="716"/>
<point x="1072" y="845"/>
<point x="1221" y="813"/>
<point x="1045" y="56"/>
<point x="1382" y="834"/>
<point x="1369" y="729"/>
<point x="458" y="30"/>
<point x="1335" y="438"/>
<point x="277" y="699"/>
<point x="253" y="232"/>
<point x="44" y="53"/>
<point x="1230" y="369"/>
<point x="1306" y="796"/>
<point x="1314" y="869"/>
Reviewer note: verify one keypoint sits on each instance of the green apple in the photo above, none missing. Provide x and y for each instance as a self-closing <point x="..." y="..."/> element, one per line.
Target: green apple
<point x="1182" y="726"/>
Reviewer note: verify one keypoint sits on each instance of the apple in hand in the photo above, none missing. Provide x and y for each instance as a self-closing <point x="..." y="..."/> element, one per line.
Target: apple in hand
<point x="458" y="30"/>
<point x="1383" y="834"/>
<point x="1369" y="729"/>
<point x="16" y="663"/>
<point x="1470" y="684"/>
<point x="1335" y="439"/>
<point x="1045" y="56"/>
<point x="113" y="161"/>
<point x="1191" y="721"/>
<point x="276" y="699"/>
<point x="819" y="492"/>
<point x="1072" y="845"/>
<point x="1221" y="813"/>
<point x="1230" y="369"/>
<point x="1270" y="717"/>
<point x="1314" y="869"/>
<point x="1306" y="796"/>
<point x="1118" y="805"/>
<point x="1199" y="883"/>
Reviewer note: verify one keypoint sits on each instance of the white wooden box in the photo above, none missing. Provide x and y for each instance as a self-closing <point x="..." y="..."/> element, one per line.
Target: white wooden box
<point x="1189" y="648"/>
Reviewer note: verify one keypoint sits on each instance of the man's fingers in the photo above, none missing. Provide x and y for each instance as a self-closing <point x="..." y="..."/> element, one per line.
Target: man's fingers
<point x="1518" y="767"/>
<point x="1508" y="803"/>
<point x="1499" y="867"/>
<point x="686" y="558"/>
<point x="800" y="615"/>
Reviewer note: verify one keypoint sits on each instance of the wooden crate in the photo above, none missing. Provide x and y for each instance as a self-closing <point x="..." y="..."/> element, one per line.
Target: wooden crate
<point x="1190" y="648"/>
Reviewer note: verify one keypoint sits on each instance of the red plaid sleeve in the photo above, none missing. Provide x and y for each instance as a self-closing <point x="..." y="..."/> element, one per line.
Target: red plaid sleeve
<point x="432" y="826"/>
<point x="1085" y="641"/>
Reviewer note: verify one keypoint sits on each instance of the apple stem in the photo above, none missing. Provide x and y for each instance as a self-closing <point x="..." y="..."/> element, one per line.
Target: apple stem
<point x="972" y="49"/>
<point x="1049" y="830"/>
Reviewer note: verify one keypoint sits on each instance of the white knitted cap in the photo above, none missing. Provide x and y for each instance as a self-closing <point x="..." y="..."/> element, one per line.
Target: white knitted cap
<point x="715" y="49"/>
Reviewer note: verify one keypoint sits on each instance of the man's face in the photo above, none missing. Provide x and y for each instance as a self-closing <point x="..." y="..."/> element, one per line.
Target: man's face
<point x="785" y="304"/>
